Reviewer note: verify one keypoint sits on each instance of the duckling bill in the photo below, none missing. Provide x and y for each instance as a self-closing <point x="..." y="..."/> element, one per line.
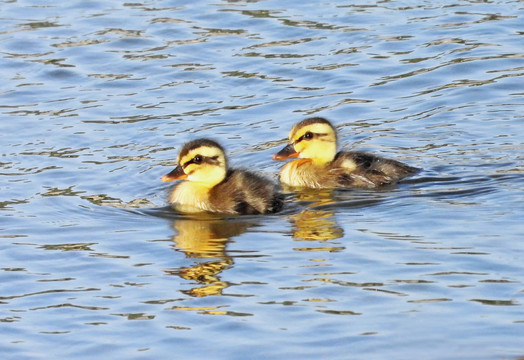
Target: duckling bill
<point x="211" y="187"/>
<point x="314" y="142"/>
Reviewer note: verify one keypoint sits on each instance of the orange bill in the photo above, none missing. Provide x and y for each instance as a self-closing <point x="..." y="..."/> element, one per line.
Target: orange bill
<point x="176" y="174"/>
<point x="286" y="153"/>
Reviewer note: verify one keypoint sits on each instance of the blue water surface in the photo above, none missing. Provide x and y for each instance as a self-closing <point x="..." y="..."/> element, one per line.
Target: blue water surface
<point x="97" y="97"/>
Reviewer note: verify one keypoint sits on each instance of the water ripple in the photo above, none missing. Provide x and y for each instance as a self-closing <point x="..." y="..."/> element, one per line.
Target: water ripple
<point x="98" y="98"/>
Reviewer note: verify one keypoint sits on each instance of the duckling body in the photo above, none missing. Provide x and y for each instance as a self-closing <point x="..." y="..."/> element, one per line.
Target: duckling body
<point x="320" y="166"/>
<point x="348" y="169"/>
<point x="211" y="187"/>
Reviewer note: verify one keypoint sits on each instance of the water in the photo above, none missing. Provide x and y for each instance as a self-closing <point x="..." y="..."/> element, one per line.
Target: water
<point x="98" y="97"/>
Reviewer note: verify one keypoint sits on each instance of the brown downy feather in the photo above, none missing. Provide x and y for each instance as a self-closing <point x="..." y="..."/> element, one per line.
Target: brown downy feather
<point x="243" y="192"/>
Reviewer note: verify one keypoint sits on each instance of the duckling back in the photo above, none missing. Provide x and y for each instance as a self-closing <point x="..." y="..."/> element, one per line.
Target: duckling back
<point x="359" y="169"/>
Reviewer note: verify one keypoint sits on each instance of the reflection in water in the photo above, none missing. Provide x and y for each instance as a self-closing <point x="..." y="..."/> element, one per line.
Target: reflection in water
<point x="315" y="224"/>
<point x="205" y="239"/>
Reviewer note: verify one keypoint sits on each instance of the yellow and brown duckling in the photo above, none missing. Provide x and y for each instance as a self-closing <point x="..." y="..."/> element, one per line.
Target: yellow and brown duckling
<point x="314" y="141"/>
<point x="211" y="187"/>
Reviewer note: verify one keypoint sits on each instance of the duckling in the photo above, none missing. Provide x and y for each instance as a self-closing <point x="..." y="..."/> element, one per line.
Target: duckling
<point x="314" y="141"/>
<point x="211" y="187"/>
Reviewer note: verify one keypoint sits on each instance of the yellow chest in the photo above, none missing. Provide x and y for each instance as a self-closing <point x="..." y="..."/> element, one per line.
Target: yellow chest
<point x="302" y="173"/>
<point x="190" y="197"/>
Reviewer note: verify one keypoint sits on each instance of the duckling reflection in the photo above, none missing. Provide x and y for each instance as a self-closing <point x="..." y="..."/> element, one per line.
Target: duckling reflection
<point x="205" y="239"/>
<point x="313" y="223"/>
<point x="316" y="225"/>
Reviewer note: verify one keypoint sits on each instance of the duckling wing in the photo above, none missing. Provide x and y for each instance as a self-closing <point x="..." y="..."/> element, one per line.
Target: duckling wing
<point x="246" y="193"/>
<point x="359" y="169"/>
<point x="257" y="195"/>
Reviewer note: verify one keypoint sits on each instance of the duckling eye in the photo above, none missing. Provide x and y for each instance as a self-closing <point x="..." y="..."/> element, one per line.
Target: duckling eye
<point x="307" y="136"/>
<point x="197" y="159"/>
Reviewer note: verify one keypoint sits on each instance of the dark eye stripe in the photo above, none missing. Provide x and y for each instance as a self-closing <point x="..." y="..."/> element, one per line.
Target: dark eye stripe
<point x="314" y="135"/>
<point x="203" y="159"/>
<point x="187" y="163"/>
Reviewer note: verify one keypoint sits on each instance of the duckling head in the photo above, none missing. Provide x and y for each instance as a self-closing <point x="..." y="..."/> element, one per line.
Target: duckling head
<point x="201" y="161"/>
<point x="313" y="138"/>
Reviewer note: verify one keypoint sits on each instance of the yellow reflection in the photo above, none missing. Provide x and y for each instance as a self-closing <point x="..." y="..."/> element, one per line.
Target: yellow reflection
<point x="315" y="224"/>
<point x="204" y="239"/>
<point x="315" y="196"/>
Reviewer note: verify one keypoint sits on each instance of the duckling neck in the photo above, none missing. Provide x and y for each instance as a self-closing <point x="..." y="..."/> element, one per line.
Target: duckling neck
<point x="302" y="173"/>
<point x="208" y="177"/>
<point x="324" y="154"/>
<point x="321" y="161"/>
